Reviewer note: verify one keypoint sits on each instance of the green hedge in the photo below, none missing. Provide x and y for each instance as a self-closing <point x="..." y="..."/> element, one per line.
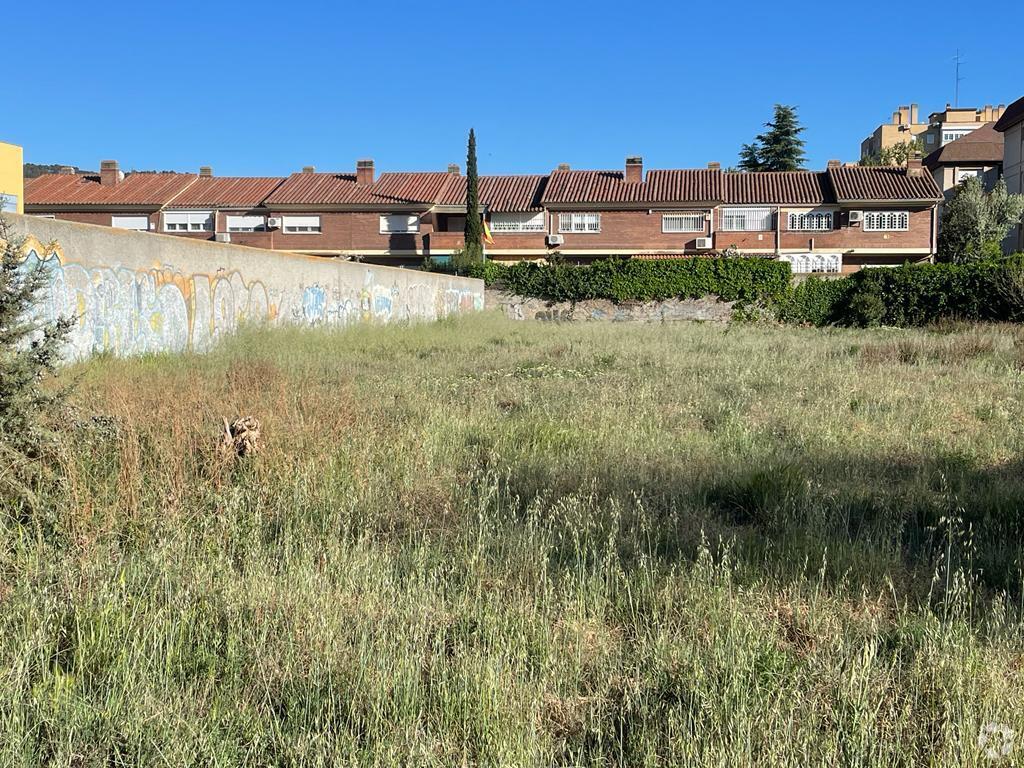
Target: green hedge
<point x="911" y="295"/>
<point x="743" y="280"/>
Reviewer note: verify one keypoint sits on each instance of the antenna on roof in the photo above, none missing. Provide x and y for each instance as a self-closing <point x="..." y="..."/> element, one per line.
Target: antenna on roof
<point x="958" y="59"/>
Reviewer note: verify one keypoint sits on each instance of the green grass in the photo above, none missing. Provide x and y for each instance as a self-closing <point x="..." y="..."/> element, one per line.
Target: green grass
<point x="489" y="543"/>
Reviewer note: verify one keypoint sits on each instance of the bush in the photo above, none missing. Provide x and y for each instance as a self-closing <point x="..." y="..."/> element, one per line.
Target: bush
<point x="742" y="280"/>
<point x="911" y="295"/>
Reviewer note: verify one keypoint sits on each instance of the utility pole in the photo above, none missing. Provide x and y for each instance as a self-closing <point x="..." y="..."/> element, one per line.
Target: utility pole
<point x="956" y="86"/>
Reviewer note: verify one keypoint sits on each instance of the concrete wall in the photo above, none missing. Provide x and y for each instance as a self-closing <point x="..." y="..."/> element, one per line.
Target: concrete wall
<point x="138" y="292"/>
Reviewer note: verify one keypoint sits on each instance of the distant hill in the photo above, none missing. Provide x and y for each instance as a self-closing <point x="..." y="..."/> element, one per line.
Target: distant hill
<point x="32" y="170"/>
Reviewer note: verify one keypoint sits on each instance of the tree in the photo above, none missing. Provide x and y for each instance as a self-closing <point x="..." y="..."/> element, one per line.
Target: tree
<point x="474" y="231"/>
<point x="29" y="353"/>
<point x="896" y="155"/>
<point x="974" y="222"/>
<point x="780" y="148"/>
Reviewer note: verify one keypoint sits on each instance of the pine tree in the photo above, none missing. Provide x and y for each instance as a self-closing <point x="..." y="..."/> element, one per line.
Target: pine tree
<point x="29" y="353"/>
<point x="474" y="250"/>
<point x="780" y="148"/>
<point x="974" y="222"/>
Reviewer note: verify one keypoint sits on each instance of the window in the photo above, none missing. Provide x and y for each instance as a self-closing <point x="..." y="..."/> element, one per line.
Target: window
<point x="682" y="222"/>
<point x="967" y="173"/>
<point x="808" y="263"/>
<point x="295" y="225"/>
<point x="948" y="136"/>
<point x="579" y="222"/>
<point x="399" y="223"/>
<point x="246" y="223"/>
<point x="517" y="222"/>
<point x="140" y="223"/>
<point x="746" y="219"/>
<point x="810" y="222"/>
<point x="929" y="139"/>
<point x="188" y="221"/>
<point x="886" y="221"/>
<point x="8" y="203"/>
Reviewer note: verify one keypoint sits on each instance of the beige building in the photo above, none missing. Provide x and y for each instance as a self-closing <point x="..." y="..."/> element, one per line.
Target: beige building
<point x="902" y="127"/>
<point x="1011" y="126"/>
<point x="978" y="154"/>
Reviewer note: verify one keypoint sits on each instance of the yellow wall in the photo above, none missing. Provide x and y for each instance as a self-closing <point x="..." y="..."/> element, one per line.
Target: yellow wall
<point x="12" y="178"/>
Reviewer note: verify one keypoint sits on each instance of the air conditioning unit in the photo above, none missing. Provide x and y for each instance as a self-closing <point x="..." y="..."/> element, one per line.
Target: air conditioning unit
<point x="222" y="237"/>
<point x="273" y="223"/>
<point x="555" y="240"/>
<point x="704" y="244"/>
<point x="856" y="217"/>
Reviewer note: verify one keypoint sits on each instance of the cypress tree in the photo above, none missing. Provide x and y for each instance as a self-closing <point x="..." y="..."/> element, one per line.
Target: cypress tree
<point x="474" y="226"/>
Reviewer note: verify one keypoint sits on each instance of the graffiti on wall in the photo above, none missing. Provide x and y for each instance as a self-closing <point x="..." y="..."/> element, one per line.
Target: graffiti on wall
<point x="128" y="311"/>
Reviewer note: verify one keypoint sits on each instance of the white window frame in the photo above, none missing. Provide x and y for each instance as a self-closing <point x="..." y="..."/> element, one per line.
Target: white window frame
<point x="746" y="219"/>
<point x="237" y="223"/>
<point x="949" y="135"/>
<point x="503" y="222"/>
<point x="809" y="221"/>
<point x="579" y="223"/>
<point x="301" y="225"/>
<point x="886" y="221"/>
<point x="968" y="173"/>
<point x="391" y="224"/>
<point x="188" y="221"/>
<point x="814" y="263"/>
<point x="141" y="222"/>
<point x="683" y="222"/>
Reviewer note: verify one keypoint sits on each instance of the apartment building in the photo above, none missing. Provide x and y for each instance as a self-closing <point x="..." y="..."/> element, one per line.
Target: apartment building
<point x="837" y="220"/>
<point x="1011" y="126"/>
<point x="939" y="129"/>
<point x="903" y="126"/>
<point x="12" y="188"/>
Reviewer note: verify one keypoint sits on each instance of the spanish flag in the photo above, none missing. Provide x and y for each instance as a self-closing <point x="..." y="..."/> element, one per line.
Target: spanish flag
<point x="487" y="233"/>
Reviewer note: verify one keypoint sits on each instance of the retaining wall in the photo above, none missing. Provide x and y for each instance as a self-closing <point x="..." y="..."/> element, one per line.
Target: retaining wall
<point x="138" y="292"/>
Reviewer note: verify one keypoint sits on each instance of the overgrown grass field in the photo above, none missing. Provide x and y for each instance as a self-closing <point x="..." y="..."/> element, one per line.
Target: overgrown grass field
<point x="489" y="543"/>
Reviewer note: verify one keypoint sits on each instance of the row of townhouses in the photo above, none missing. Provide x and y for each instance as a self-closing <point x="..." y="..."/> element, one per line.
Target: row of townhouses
<point x="837" y="220"/>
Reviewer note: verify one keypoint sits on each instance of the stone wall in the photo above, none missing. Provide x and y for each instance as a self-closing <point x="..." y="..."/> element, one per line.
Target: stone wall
<point x="601" y="310"/>
<point x="138" y="292"/>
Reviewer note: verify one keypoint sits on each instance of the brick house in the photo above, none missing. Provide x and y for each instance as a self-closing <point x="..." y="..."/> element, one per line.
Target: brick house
<point x="840" y="219"/>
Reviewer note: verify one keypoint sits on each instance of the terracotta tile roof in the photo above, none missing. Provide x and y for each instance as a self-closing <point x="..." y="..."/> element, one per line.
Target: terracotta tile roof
<point x="341" y="189"/>
<point x="982" y="146"/>
<point x="226" y="192"/>
<point x="1011" y="116"/>
<point x="667" y="186"/>
<point x="85" y="189"/>
<point x="855" y="183"/>
<point x="780" y="187"/>
<point x="508" y="194"/>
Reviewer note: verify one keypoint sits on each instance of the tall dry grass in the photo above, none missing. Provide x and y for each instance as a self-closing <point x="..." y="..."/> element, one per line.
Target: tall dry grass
<point x="488" y="543"/>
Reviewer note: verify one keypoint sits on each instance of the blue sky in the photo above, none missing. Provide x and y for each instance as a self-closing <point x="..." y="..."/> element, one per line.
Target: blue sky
<point x="259" y="88"/>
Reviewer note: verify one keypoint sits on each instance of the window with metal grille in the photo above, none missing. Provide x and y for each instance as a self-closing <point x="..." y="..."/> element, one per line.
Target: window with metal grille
<point x="807" y="263"/>
<point x="299" y="225"/>
<point x="188" y="221"/>
<point x="517" y="222"/>
<point x="399" y="224"/>
<point x="246" y="223"/>
<point x="810" y="222"/>
<point x="682" y="222"/>
<point x="886" y="221"/>
<point x="579" y="222"/>
<point x="746" y="219"/>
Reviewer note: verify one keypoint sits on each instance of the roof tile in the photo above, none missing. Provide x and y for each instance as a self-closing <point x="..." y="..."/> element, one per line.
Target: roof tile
<point x="85" y="189"/>
<point x="853" y="183"/>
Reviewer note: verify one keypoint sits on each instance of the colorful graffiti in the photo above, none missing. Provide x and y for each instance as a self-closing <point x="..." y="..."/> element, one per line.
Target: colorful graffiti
<point x="127" y="311"/>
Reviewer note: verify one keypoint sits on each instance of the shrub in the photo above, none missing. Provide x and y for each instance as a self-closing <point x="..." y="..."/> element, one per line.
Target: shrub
<point x="815" y="301"/>
<point x="742" y="280"/>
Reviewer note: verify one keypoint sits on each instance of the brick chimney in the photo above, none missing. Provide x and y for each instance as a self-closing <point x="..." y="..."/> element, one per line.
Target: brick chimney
<point x="564" y="167"/>
<point x="453" y="168"/>
<point x="914" y="167"/>
<point x="364" y="172"/>
<point x="205" y="170"/>
<point x="634" y="169"/>
<point x="110" y="174"/>
<point x="309" y="169"/>
<point x="834" y="164"/>
<point x="714" y="165"/>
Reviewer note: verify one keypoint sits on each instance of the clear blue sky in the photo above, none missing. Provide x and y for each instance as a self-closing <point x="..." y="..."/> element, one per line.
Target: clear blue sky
<point x="254" y="88"/>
